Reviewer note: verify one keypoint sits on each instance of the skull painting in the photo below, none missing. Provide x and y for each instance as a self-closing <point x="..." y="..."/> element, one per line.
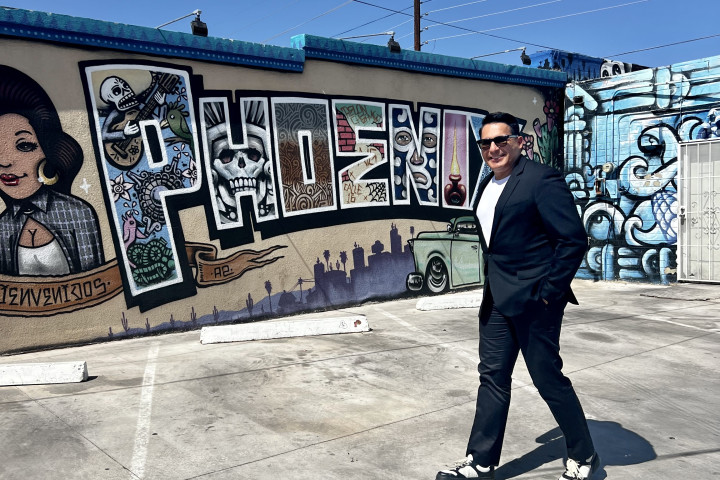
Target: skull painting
<point x="240" y="170"/>
<point x="116" y="91"/>
<point x="420" y="158"/>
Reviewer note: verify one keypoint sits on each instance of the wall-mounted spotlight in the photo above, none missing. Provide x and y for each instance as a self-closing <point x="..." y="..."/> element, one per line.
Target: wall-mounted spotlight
<point x="525" y="58"/>
<point x="197" y="26"/>
<point x="393" y="45"/>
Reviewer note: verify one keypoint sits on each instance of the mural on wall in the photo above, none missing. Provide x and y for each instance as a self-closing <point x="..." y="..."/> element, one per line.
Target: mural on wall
<point x="548" y="137"/>
<point x="447" y="259"/>
<point x="267" y="158"/>
<point x="46" y="231"/>
<point x="710" y="128"/>
<point x="364" y="268"/>
<point x="610" y="68"/>
<point x="286" y="162"/>
<point x="352" y="120"/>
<point x="242" y="167"/>
<point x="455" y="161"/>
<point x="145" y="121"/>
<point x="621" y="140"/>
<point x="415" y="157"/>
<point x="302" y="143"/>
<point x="581" y="67"/>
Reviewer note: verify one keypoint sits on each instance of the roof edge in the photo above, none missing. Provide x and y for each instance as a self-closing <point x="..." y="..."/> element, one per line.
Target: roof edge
<point x="376" y="55"/>
<point x="15" y="22"/>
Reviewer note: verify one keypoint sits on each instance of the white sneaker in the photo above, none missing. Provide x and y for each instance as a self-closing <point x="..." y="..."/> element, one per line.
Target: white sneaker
<point x="578" y="471"/>
<point x="467" y="468"/>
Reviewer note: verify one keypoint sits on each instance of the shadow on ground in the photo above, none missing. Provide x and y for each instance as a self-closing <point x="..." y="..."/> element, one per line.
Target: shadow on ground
<point x="615" y="444"/>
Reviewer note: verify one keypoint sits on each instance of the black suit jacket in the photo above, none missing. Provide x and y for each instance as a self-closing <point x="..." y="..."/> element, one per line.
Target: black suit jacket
<point x="537" y="243"/>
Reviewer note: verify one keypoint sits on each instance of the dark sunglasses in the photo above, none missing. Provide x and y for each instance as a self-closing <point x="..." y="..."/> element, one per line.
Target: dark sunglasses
<point x="500" y="141"/>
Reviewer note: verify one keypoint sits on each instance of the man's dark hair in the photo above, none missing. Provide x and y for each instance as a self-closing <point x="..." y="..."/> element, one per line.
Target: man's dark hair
<point x="502" y="117"/>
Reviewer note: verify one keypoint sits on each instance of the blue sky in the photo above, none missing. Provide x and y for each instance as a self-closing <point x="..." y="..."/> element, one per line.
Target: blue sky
<point x="602" y="28"/>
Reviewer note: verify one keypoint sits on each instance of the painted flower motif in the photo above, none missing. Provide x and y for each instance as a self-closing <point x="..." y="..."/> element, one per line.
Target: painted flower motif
<point x="191" y="172"/>
<point x="181" y="150"/>
<point x="120" y="188"/>
<point x="529" y="145"/>
<point x="551" y="112"/>
<point x="181" y="92"/>
<point x="181" y="153"/>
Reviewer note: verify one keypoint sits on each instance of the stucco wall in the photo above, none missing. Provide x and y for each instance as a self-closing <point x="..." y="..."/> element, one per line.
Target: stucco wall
<point x="621" y="137"/>
<point x="330" y="189"/>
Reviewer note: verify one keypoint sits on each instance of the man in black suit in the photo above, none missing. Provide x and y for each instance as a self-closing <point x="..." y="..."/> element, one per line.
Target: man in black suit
<point x="533" y="242"/>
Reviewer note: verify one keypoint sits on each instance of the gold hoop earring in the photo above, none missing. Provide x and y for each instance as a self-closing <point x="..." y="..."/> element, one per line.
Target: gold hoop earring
<point x="43" y="178"/>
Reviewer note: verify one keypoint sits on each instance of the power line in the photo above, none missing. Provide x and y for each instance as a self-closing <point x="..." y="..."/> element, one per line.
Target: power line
<point x="499" y="13"/>
<point x="456" y="6"/>
<point x="401" y="24"/>
<point x="372" y="21"/>
<point x="394" y="27"/>
<point x="484" y="32"/>
<point x="663" y="46"/>
<point x="274" y="12"/>
<point x="305" y="23"/>
<point x="405" y="36"/>
<point x="259" y="21"/>
<point x="382" y="18"/>
<point x="457" y="27"/>
<point x="538" y="21"/>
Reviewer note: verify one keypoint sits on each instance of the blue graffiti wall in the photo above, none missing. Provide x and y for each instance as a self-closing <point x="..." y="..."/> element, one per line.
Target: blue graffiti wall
<point x="621" y="160"/>
<point x="580" y="67"/>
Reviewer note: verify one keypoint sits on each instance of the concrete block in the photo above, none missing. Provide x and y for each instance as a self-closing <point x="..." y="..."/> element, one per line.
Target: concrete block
<point x="450" y="301"/>
<point x="42" y="373"/>
<point x="283" y="329"/>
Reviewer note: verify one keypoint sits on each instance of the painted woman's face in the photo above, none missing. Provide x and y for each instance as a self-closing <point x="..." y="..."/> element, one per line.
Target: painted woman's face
<point x="20" y="155"/>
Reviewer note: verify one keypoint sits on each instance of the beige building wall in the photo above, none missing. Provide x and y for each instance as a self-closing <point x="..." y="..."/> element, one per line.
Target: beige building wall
<point x="280" y="262"/>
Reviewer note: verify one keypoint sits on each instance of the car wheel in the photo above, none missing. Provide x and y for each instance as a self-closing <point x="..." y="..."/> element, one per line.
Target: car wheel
<point x="437" y="276"/>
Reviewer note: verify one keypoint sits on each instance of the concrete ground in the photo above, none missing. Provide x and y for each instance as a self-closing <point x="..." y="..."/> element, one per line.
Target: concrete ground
<point x="396" y="402"/>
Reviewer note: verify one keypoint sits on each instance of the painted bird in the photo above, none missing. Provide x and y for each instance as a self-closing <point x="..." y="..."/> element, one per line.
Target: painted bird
<point x="175" y="120"/>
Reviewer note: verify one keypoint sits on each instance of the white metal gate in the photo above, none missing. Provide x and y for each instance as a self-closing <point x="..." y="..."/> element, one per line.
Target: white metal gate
<point x="698" y="247"/>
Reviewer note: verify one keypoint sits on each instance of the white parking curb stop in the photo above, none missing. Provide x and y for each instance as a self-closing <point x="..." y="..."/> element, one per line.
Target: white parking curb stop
<point x="42" y="373"/>
<point x="449" y="301"/>
<point x="283" y="329"/>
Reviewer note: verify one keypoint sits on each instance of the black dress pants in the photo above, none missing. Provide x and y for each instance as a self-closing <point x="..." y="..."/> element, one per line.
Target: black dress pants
<point x="537" y="334"/>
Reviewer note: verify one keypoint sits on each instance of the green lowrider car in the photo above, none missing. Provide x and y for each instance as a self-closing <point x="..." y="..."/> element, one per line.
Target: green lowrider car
<point x="447" y="260"/>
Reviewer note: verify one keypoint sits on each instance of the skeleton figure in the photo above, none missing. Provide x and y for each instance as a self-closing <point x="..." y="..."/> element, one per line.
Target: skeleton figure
<point x="118" y="94"/>
<point x="420" y="159"/>
<point x="116" y="91"/>
<point x="240" y="171"/>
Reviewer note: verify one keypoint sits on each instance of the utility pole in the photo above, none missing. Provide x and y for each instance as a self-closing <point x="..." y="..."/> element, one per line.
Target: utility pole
<point x="417" y="25"/>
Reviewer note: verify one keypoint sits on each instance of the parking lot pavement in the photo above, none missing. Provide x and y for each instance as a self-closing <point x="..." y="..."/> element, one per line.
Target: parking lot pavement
<point x="395" y="402"/>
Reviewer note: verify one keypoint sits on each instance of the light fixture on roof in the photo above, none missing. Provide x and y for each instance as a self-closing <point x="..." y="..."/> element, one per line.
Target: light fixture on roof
<point x="392" y="44"/>
<point x="523" y="56"/>
<point x="197" y="26"/>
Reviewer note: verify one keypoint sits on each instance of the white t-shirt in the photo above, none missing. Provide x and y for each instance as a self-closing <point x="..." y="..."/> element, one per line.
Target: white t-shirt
<point x="486" y="206"/>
